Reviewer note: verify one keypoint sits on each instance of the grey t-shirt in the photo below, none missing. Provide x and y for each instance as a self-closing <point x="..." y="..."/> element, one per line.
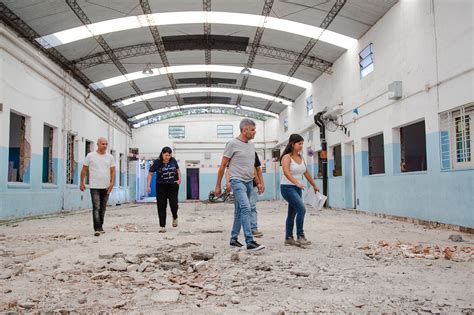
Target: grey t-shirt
<point x="242" y="159"/>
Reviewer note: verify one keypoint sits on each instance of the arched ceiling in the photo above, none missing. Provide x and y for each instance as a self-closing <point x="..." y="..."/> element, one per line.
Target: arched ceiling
<point x="138" y="45"/>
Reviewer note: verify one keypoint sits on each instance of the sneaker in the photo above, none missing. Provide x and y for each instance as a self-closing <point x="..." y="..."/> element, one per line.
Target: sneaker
<point x="255" y="246"/>
<point x="101" y="231"/>
<point x="257" y="233"/>
<point x="96" y="233"/>
<point x="303" y="241"/>
<point x="291" y="242"/>
<point x="235" y="243"/>
<point x="162" y="229"/>
<point x="175" y="222"/>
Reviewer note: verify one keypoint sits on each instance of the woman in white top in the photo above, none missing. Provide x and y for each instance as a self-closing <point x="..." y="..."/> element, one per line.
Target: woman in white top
<point x="291" y="186"/>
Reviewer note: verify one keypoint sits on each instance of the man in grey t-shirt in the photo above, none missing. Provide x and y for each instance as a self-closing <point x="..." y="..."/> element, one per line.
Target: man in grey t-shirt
<point x="239" y="153"/>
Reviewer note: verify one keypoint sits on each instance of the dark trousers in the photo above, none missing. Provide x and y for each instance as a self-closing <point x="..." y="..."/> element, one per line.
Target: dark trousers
<point x="99" y="202"/>
<point x="165" y="192"/>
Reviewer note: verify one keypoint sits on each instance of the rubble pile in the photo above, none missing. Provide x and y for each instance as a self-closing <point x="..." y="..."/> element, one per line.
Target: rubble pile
<point x="383" y="249"/>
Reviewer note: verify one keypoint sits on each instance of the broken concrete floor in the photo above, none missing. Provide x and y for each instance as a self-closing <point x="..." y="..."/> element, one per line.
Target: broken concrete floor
<point x="357" y="263"/>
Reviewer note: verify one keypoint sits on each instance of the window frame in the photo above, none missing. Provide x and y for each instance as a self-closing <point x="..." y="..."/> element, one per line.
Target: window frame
<point x="172" y="135"/>
<point x="363" y="57"/>
<point x="225" y="135"/>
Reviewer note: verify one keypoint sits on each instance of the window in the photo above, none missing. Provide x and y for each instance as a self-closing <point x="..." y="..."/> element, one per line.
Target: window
<point x="376" y="155"/>
<point x="48" y="137"/>
<point x="225" y="131"/>
<point x="413" y="148"/>
<point x="128" y="172"/>
<point x="71" y="164"/>
<point x="285" y="124"/>
<point x="366" y="61"/>
<point x="176" y="132"/>
<point x="309" y="105"/>
<point x="456" y="138"/>
<point x="120" y="172"/>
<point x="89" y="147"/>
<point x="114" y="155"/>
<point x="19" y="152"/>
<point x="319" y="173"/>
<point x="275" y="155"/>
<point x="337" y="171"/>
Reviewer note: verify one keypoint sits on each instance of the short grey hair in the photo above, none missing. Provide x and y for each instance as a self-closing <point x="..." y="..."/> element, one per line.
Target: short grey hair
<point x="246" y="122"/>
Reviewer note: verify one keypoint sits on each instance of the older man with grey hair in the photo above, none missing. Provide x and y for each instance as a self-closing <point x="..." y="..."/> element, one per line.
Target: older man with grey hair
<point x="101" y="168"/>
<point x="239" y="154"/>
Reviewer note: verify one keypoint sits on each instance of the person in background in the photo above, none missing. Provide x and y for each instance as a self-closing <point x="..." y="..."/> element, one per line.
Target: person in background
<point x="101" y="168"/>
<point x="168" y="179"/>
<point x="291" y="186"/>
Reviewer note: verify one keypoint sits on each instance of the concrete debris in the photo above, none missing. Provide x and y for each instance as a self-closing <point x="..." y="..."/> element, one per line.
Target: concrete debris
<point x="129" y="227"/>
<point x="300" y="273"/>
<point x="199" y="266"/>
<point x="48" y="272"/>
<point x="235" y="257"/>
<point x="118" y="266"/>
<point x="202" y="256"/>
<point x="144" y="265"/>
<point x="166" y="296"/>
<point x="455" y="238"/>
<point x="385" y="250"/>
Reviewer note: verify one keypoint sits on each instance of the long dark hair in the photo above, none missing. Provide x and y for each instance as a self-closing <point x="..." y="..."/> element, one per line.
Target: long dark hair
<point x="165" y="150"/>
<point x="294" y="138"/>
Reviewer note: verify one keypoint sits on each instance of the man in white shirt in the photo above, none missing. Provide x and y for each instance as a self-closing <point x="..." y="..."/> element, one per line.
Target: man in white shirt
<point x="101" y="168"/>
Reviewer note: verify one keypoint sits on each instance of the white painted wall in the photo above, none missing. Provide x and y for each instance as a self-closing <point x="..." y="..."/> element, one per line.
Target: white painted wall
<point x="417" y="43"/>
<point x="33" y="86"/>
<point x="429" y="46"/>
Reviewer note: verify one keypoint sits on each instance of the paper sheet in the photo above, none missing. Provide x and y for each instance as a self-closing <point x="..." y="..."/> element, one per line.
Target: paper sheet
<point x="315" y="199"/>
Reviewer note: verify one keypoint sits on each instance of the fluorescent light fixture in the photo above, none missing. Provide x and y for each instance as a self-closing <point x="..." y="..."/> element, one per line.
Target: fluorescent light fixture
<point x="193" y="17"/>
<point x="199" y="68"/>
<point x="158" y="94"/>
<point x="206" y="105"/>
<point x="261" y="111"/>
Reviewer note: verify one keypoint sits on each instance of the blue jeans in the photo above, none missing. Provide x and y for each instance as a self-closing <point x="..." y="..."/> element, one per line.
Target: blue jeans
<point x="242" y="212"/>
<point x="253" y="208"/>
<point x="292" y="194"/>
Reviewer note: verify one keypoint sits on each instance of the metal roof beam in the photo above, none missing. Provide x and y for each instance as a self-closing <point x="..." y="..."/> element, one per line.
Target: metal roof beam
<point x="309" y="46"/>
<point x="101" y="41"/>
<point x="150" y="49"/>
<point x="26" y="32"/>
<point x="267" y="8"/>
<point x="159" y="45"/>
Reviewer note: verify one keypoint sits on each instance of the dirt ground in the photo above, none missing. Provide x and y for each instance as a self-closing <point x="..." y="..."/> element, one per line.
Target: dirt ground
<point x="356" y="264"/>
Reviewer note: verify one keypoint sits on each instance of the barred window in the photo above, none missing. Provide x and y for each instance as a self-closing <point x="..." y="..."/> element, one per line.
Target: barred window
<point x="71" y="163"/>
<point x="175" y="132"/>
<point x="455" y="137"/>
